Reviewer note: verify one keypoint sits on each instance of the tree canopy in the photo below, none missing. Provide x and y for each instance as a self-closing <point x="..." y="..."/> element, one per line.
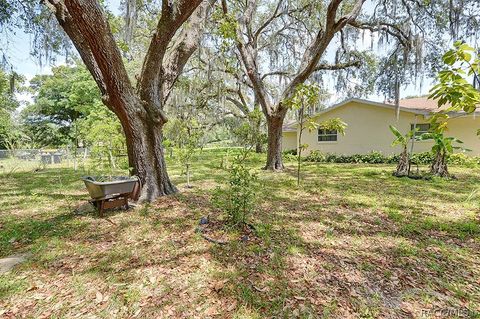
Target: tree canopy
<point x="9" y="84"/>
<point x="228" y="58"/>
<point x="60" y="100"/>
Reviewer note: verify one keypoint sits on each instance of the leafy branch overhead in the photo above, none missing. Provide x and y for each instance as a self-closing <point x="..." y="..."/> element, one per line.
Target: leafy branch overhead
<point x="335" y="124"/>
<point x="454" y="88"/>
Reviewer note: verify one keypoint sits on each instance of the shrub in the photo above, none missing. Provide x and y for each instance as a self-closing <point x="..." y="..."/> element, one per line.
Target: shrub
<point x="290" y="155"/>
<point x="238" y="199"/>
<point x="424" y="158"/>
<point x="290" y="152"/>
<point x="463" y="159"/>
<point x="316" y="156"/>
<point x="370" y="158"/>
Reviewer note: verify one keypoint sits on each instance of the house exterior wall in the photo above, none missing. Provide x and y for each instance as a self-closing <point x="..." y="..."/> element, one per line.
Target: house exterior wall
<point x="465" y="129"/>
<point x="289" y="141"/>
<point x="368" y="130"/>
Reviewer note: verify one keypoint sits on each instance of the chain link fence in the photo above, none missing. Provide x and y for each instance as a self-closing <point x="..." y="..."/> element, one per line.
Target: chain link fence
<point x="20" y="159"/>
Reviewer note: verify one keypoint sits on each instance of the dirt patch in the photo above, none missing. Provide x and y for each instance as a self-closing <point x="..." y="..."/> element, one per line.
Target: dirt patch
<point x="7" y="263"/>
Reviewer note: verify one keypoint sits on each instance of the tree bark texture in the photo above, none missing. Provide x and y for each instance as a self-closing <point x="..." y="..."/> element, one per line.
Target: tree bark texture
<point x="403" y="165"/>
<point x="439" y="166"/>
<point x="140" y="110"/>
<point x="274" y="150"/>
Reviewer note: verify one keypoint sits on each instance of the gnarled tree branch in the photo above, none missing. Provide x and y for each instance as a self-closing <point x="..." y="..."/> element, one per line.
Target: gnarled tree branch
<point x="91" y="35"/>
<point x="182" y="49"/>
<point x="389" y="28"/>
<point x="174" y="14"/>
<point x="317" y="48"/>
<point x="338" y="66"/>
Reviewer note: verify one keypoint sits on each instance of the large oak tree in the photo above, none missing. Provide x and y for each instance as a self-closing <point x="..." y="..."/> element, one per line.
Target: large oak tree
<point x="306" y="34"/>
<point x="140" y="107"/>
<point x="248" y="39"/>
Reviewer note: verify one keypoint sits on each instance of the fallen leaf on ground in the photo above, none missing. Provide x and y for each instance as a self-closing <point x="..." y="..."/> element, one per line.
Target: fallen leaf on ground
<point x="99" y="297"/>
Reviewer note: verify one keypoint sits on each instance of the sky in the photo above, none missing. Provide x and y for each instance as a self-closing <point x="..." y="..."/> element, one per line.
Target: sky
<point x="17" y="48"/>
<point x="18" y="54"/>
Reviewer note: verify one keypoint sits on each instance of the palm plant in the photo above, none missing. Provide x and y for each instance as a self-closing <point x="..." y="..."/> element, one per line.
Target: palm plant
<point x="403" y="166"/>
<point x="442" y="147"/>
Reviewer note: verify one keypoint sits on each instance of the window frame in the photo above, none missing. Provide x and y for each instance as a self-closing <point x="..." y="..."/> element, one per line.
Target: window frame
<point x="327" y="134"/>
<point x="420" y="132"/>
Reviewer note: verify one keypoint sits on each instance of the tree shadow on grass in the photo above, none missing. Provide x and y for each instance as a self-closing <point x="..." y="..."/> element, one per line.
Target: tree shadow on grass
<point x="60" y="219"/>
<point x="369" y="180"/>
<point x="357" y="263"/>
<point x="40" y="178"/>
<point x="19" y="234"/>
<point x="317" y="254"/>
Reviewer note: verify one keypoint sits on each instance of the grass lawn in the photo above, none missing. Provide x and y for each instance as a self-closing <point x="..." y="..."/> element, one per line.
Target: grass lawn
<point x="352" y="242"/>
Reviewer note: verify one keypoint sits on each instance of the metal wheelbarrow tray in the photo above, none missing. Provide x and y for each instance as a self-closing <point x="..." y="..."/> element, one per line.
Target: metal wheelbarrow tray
<point x="114" y="193"/>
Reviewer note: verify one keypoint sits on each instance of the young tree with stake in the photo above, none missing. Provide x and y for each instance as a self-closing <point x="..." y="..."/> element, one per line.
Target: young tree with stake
<point x="186" y="135"/>
<point x="305" y="98"/>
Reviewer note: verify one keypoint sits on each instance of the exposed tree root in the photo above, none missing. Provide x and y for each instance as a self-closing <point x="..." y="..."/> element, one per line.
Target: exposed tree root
<point x="205" y="221"/>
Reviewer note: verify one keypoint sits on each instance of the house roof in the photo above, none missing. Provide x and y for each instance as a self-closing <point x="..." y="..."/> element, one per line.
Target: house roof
<point x="421" y="106"/>
<point x="289" y="126"/>
<point x="423" y="103"/>
<point x="378" y="104"/>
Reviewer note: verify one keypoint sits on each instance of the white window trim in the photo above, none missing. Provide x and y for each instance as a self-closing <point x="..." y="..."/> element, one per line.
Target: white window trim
<point x="412" y="125"/>
<point x="327" y="142"/>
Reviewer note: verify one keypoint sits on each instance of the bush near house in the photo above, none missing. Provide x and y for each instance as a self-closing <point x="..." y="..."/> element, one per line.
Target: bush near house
<point x="424" y="158"/>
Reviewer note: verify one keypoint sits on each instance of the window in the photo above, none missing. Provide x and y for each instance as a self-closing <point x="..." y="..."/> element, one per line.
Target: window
<point x="327" y="135"/>
<point x="421" y="128"/>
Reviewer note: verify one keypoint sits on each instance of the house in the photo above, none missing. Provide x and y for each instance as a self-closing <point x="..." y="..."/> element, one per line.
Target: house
<point x="289" y="136"/>
<point x="368" y="127"/>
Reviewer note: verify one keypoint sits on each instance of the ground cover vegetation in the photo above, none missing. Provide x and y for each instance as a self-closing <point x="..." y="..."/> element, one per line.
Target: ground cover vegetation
<point x="254" y="54"/>
<point x="335" y="247"/>
<point x="191" y="97"/>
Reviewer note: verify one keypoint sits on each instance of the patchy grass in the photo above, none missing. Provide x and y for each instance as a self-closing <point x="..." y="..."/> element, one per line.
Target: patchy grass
<point x="352" y="242"/>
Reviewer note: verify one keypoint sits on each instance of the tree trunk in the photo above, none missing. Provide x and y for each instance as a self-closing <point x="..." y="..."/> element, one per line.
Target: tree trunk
<point x="299" y="149"/>
<point x="274" y="151"/>
<point x="139" y="110"/>
<point x="258" y="129"/>
<point x="110" y="160"/>
<point x="188" y="175"/>
<point x="144" y="138"/>
<point x="402" y="166"/>
<point x="439" y="165"/>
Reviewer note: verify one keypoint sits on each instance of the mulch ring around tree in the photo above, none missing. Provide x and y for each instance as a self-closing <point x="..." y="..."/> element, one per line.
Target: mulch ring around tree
<point x="219" y="232"/>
